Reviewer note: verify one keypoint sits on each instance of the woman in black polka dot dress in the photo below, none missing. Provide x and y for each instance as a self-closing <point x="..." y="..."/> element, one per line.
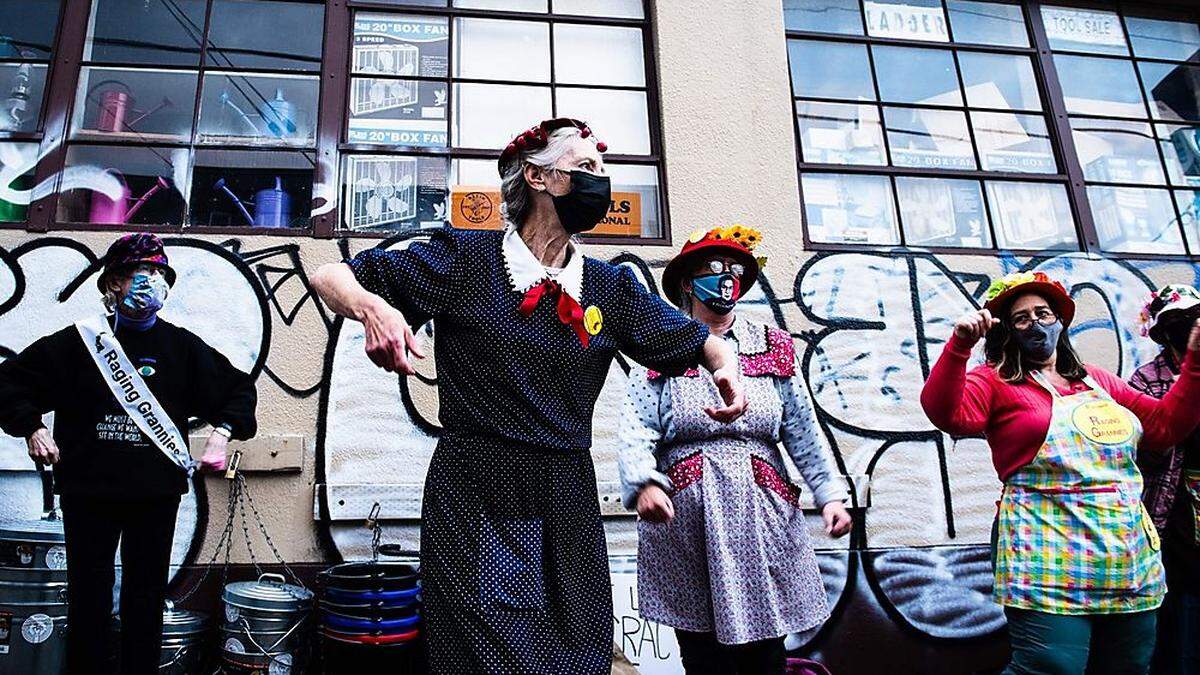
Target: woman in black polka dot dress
<point x="514" y="567"/>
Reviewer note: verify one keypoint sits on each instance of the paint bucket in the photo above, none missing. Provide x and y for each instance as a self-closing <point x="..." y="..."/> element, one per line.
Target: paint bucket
<point x="33" y="597"/>
<point x="371" y="618"/>
<point x="266" y="625"/>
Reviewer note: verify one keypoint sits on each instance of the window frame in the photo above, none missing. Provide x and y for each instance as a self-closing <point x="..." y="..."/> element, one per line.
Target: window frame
<point x="1058" y="121"/>
<point x="332" y="116"/>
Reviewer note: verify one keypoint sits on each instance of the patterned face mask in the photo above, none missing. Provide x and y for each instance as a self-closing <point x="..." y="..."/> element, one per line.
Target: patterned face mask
<point x="718" y="292"/>
<point x="146" y="295"/>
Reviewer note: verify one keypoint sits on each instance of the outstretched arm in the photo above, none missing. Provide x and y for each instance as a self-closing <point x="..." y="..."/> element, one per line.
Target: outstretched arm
<point x="389" y="336"/>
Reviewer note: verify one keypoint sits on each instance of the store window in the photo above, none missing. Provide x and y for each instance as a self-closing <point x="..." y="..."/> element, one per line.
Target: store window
<point x="195" y="113"/>
<point x="436" y="91"/>
<point x="1130" y="86"/>
<point x="931" y="123"/>
<point x="26" y="47"/>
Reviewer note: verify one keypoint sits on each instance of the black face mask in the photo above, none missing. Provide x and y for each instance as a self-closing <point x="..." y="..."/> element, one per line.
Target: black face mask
<point x="586" y="204"/>
<point x="1177" y="335"/>
<point x="1038" y="342"/>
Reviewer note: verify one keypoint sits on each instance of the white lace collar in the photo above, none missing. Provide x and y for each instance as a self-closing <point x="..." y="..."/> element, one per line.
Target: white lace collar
<point x="525" y="271"/>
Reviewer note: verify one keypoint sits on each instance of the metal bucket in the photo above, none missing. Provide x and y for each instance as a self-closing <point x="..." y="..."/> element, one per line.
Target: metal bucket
<point x="266" y="625"/>
<point x="184" y="636"/>
<point x="33" y="597"/>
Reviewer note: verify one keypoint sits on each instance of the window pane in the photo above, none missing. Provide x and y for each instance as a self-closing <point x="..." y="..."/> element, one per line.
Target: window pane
<point x="21" y="103"/>
<point x="843" y="209"/>
<point x="154" y="33"/>
<point x="28" y="33"/>
<point x="1094" y="86"/>
<point x="840" y="133"/>
<point x="906" y="19"/>
<point x="1160" y="39"/>
<point x="1188" y="203"/>
<point x="598" y="55"/>
<point x="634" y="212"/>
<point x="258" y="110"/>
<point x="823" y="16"/>
<point x="18" y="161"/>
<point x="618" y="117"/>
<point x="1031" y="215"/>
<point x="238" y="188"/>
<point x="398" y="112"/>
<point x="942" y="212"/>
<point x="989" y="23"/>
<point x="1173" y="89"/>
<point x="393" y="193"/>
<point x="929" y="139"/>
<point x="507" y="5"/>
<point x="1134" y="220"/>
<point x="135" y="105"/>
<point x="125" y="185"/>
<point x="392" y="44"/>
<point x="999" y="81"/>
<point x="620" y="9"/>
<point x="488" y="49"/>
<point x="1013" y="143"/>
<point x="1117" y="152"/>
<point x="237" y="39"/>
<point x="914" y="75"/>
<point x="1084" y="30"/>
<point x="830" y="70"/>
<point x="490" y="115"/>
<point x="1182" y="152"/>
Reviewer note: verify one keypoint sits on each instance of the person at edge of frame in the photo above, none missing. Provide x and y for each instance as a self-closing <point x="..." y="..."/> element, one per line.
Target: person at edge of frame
<point x="1172" y="493"/>
<point x="1077" y="564"/>
<point x="118" y="483"/>
<point x="514" y="569"/>
<point x="724" y="554"/>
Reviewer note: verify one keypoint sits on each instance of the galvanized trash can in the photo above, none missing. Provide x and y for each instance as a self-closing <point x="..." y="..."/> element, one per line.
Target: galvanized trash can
<point x="185" y="634"/>
<point x="33" y="597"/>
<point x="266" y="626"/>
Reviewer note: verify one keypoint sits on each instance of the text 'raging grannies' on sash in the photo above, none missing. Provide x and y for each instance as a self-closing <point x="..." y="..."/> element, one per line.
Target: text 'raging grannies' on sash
<point x="132" y="393"/>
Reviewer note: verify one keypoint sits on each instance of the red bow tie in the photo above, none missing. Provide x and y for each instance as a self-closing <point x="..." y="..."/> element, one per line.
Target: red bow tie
<point x="569" y="311"/>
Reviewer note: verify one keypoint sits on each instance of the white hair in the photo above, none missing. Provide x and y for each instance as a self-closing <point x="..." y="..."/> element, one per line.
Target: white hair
<point x="515" y="192"/>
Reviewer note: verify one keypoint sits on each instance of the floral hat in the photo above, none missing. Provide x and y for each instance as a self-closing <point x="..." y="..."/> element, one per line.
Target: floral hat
<point x="734" y="241"/>
<point x="139" y="248"/>
<point x="1169" y="298"/>
<point x="1005" y="289"/>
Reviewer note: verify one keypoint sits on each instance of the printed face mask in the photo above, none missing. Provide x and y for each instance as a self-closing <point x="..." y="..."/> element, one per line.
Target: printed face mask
<point x="146" y="295"/>
<point x="586" y="204"/>
<point x="1038" y="342"/>
<point x="718" y="292"/>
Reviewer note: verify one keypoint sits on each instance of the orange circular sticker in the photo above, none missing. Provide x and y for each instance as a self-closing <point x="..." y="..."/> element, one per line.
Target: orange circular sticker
<point x="1103" y="422"/>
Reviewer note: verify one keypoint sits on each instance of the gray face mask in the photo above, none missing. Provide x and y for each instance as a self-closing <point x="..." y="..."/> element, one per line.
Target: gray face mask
<point x="1038" y="342"/>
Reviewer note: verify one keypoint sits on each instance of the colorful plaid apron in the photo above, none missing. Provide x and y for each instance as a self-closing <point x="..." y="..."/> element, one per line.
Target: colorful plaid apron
<point x="1074" y="537"/>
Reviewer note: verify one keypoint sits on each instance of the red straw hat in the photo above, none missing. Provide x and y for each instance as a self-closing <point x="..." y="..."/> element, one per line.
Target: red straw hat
<point x="735" y="241"/>
<point x="1005" y="289"/>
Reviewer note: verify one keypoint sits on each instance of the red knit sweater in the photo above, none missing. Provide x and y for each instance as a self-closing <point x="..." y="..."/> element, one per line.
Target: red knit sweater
<point x="1016" y="417"/>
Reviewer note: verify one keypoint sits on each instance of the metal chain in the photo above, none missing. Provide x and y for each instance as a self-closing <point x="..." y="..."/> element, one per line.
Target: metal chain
<point x="263" y="528"/>
<point x="246" y="526"/>
<point x="225" y="542"/>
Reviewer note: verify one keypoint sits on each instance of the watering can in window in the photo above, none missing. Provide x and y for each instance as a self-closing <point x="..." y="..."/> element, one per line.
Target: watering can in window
<point x="272" y="206"/>
<point x="279" y="115"/>
<point x="117" y="106"/>
<point x="119" y="211"/>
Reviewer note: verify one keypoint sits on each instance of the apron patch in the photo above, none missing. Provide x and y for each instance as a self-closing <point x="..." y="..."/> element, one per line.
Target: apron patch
<point x="1103" y="421"/>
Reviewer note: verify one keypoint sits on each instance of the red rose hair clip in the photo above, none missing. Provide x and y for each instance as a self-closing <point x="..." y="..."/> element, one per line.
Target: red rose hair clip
<point x="538" y="137"/>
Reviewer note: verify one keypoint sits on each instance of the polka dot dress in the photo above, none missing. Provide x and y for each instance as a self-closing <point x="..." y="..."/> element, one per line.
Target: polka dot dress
<point x="514" y="568"/>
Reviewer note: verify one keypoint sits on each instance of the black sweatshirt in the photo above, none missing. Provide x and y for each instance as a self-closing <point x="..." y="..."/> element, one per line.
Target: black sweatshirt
<point x="103" y="453"/>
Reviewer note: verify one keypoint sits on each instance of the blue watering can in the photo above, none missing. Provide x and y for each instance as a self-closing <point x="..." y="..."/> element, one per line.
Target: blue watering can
<point x="272" y="206"/>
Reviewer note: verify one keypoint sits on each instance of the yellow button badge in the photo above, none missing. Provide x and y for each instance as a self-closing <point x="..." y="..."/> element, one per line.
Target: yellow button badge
<point x="593" y="320"/>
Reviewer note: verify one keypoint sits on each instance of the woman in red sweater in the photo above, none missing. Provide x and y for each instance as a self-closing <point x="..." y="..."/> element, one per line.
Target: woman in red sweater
<point x="1076" y="556"/>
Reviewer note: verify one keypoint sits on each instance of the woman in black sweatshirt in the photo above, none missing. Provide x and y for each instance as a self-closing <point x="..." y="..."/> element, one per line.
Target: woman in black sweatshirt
<point x="116" y="482"/>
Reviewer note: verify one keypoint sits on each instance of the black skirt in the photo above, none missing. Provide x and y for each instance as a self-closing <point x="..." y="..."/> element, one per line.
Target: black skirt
<point x="513" y="561"/>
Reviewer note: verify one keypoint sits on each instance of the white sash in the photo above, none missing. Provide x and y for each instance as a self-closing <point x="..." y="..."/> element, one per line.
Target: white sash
<point x="130" y="390"/>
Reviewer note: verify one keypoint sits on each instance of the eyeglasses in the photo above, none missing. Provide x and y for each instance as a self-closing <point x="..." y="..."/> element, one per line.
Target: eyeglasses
<point x="1043" y="316"/>
<point x="719" y="267"/>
